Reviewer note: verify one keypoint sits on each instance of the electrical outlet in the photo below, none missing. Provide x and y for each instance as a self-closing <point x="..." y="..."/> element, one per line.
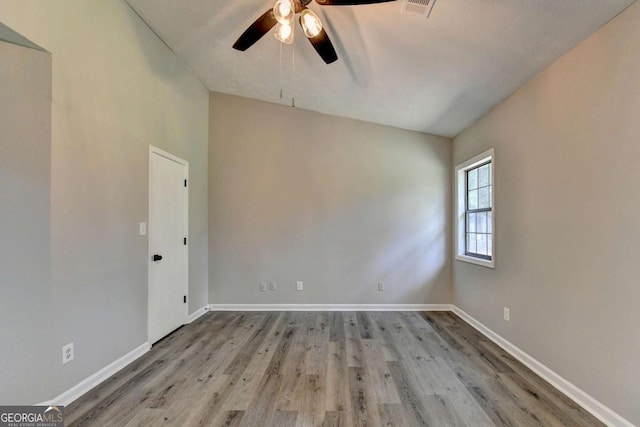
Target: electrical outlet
<point x="142" y="228"/>
<point x="263" y="287"/>
<point x="67" y="353"/>
<point x="299" y="286"/>
<point x="380" y="286"/>
<point x="507" y="314"/>
<point x="272" y="286"/>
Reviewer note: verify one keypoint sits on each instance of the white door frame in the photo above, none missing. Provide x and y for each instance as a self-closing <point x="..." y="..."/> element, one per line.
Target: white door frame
<point x="155" y="150"/>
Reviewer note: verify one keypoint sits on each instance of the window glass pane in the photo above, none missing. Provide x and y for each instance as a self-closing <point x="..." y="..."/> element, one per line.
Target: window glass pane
<point x="483" y="198"/>
<point x="471" y="242"/>
<point x="473" y="200"/>
<point x="482" y="222"/>
<point x="483" y="176"/>
<point x="471" y="223"/>
<point x="481" y="245"/>
<point x="489" y="245"/>
<point x="472" y="177"/>
<point x="478" y="228"/>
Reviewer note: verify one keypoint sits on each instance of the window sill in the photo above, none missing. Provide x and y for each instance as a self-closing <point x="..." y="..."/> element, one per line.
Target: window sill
<point x="477" y="261"/>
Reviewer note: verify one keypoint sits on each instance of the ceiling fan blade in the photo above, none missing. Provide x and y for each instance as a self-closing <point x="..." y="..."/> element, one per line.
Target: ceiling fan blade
<point x="322" y="44"/>
<point x="349" y="2"/>
<point x="255" y="31"/>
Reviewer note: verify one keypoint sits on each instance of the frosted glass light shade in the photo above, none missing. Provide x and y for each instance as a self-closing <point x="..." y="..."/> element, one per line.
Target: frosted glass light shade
<point x="284" y="33"/>
<point x="284" y="10"/>
<point x="311" y="24"/>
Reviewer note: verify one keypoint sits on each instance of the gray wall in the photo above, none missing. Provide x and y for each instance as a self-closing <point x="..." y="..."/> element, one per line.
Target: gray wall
<point x="116" y="89"/>
<point x="336" y="203"/>
<point x="567" y="209"/>
<point x="25" y="288"/>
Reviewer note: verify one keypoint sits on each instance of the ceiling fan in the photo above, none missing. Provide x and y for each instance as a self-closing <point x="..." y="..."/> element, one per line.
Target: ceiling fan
<point x="281" y="16"/>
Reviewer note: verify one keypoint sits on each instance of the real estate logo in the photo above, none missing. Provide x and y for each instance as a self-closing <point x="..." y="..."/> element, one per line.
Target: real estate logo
<point x="31" y="416"/>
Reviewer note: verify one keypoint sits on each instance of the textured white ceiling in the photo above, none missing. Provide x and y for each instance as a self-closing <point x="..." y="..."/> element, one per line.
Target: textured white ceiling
<point x="435" y="75"/>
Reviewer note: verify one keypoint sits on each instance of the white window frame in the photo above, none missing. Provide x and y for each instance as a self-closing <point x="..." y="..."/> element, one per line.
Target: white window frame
<point x="460" y="208"/>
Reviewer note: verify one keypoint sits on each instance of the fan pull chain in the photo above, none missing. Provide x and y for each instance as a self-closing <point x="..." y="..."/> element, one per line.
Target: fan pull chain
<point x="281" y="83"/>
<point x="293" y="79"/>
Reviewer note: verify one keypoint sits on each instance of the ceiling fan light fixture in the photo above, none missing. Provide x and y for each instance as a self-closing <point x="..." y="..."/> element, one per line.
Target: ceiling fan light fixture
<point x="284" y="11"/>
<point x="284" y="33"/>
<point x="311" y="23"/>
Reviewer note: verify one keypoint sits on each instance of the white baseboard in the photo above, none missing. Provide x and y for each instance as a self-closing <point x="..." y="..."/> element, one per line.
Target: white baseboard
<point x="597" y="409"/>
<point x="329" y="307"/>
<point x="196" y="314"/>
<point x="87" y="384"/>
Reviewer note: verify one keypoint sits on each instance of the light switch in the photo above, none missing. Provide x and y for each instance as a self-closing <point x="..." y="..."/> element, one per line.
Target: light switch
<point x="143" y="228"/>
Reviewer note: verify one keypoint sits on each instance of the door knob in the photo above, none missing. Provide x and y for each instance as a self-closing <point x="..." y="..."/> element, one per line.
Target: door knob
<point x="157" y="257"/>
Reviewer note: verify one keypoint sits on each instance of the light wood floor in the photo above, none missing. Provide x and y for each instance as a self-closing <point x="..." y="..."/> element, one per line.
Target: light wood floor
<point x="320" y="368"/>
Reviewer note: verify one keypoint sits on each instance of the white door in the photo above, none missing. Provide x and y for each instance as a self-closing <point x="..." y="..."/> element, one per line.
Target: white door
<point x="168" y="213"/>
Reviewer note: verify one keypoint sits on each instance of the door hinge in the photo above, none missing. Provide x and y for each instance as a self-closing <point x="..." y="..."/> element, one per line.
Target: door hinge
<point x="185" y="240"/>
<point x="185" y="299"/>
<point x="185" y="182"/>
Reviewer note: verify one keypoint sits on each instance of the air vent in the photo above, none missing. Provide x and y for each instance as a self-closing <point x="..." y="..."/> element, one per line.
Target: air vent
<point x="418" y="7"/>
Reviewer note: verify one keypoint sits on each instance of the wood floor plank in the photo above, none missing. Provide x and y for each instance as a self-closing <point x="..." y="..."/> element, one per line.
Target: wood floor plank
<point x="124" y="400"/>
<point x="312" y="397"/>
<point x="209" y="408"/>
<point x="394" y="415"/>
<point x="469" y="410"/>
<point x="364" y="411"/>
<point x="247" y="386"/>
<point x="542" y="390"/>
<point x="294" y="367"/>
<point x="145" y="417"/>
<point x="338" y="399"/>
<point x="283" y="351"/>
<point x="354" y="344"/>
<point x="383" y="322"/>
<point x="326" y="369"/>
<point x="503" y="411"/>
<point x="462" y="357"/>
<point x="219" y="359"/>
<point x="337" y="327"/>
<point x="425" y="336"/>
<point x="283" y="419"/>
<point x="206" y="402"/>
<point x="261" y="408"/>
<point x="366" y="328"/>
<point x="331" y="419"/>
<point x="143" y="368"/>
<point x="442" y="412"/>
<point x="381" y="382"/>
<point x="409" y="396"/>
<point x="531" y="403"/>
<point x="245" y="353"/>
<point x="229" y="419"/>
<point x="317" y="356"/>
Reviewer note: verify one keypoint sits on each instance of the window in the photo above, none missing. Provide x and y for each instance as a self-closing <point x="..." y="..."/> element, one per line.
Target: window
<point x="474" y="210"/>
